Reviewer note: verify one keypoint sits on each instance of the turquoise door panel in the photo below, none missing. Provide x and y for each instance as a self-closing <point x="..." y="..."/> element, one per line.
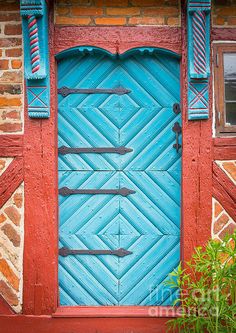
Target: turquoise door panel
<point x="146" y="222"/>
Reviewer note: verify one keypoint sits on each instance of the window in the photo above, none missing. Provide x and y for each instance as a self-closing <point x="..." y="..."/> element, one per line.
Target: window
<point x="225" y="88"/>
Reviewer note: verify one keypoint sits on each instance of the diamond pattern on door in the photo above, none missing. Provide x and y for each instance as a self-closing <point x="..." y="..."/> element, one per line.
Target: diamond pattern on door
<point x="147" y="222"/>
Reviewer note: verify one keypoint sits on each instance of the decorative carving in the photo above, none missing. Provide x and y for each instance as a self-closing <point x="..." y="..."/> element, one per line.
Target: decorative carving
<point x="198" y="58"/>
<point x="36" y="63"/>
<point x="34" y="43"/>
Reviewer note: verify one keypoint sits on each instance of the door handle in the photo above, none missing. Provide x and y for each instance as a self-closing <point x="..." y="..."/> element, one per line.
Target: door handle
<point x="64" y="252"/>
<point x="117" y="150"/>
<point x="121" y="191"/>
<point x="177" y="129"/>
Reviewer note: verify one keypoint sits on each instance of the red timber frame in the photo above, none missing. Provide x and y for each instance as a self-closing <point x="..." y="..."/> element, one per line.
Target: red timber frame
<point x="41" y="312"/>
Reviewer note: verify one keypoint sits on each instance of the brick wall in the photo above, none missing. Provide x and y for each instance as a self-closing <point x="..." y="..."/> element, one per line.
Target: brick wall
<point x="11" y="122"/>
<point x="224" y="13"/>
<point x="117" y="12"/>
<point x="11" y="245"/>
<point x="222" y="222"/>
<point x="11" y="75"/>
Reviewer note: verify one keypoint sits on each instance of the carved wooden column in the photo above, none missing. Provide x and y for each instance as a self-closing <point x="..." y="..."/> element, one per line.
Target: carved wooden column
<point x="36" y="63"/>
<point x="198" y="58"/>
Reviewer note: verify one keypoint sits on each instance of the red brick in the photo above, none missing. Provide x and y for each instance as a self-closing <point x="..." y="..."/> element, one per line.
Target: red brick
<point x="5" y="101"/>
<point x="226" y="11"/>
<point x="232" y="21"/>
<point x="7" y="294"/>
<point x="2" y="218"/>
<point x="13" y="52"/>
<point x="147" y="3"/>
<point x="81" y="2"/>
<point x="2" y="164"/>
<point x="18" y="198"/>
<point x="11" y="277"/>
<point x="170" y="11"/>
<point x="218" y="209"/>
<point x="228" y="230"/>
<point x="12" y="77"/>
<point x="112" y="3"/>
<point x="86" y="11"/>
<point x="13" y="29"/>
<point x="220" y="223"/>
<point x="15" y="6"/>
<point x="110" y="21"/>
<point x="12" y="235"/>
<point x="73" y="20"/>
<point x="4" y="64"/>
<point x="129" y="11"/>
<point x="219" y="20"/>
<point x="5" y="17"/>
<point x="10" y="128"/>
<point x="230" y="167"/>
<point x="146" y="20"/>
<point x="13" y="89"/>
<point x="10" y="42"/>
<point x="13" y="214"/>
<point x="62" y="10"/>
<point x="11" y="115"/>
<point x="173" y="21"/>
<point x="16" y="64"/>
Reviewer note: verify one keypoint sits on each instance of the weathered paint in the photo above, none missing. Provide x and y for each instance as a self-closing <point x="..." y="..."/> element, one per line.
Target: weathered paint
<point x="146" y="222"/>
<point x="198" y="58"/>
<point x="40" y="268"/>
<point x="36" y="63"/>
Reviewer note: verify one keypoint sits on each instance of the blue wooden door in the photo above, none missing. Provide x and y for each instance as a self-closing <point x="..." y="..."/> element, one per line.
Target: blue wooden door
<point x="145" y="222"/>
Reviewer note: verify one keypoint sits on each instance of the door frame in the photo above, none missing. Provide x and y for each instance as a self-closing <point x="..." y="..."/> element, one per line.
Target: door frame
<point x="40" y="296"/>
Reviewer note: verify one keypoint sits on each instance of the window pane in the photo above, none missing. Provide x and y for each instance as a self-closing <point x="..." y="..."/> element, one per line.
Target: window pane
<point x="230" y="90"/>
<point x="230" y="76"/>
<point x="229" y="66"/>
<point x="230" y="110"/>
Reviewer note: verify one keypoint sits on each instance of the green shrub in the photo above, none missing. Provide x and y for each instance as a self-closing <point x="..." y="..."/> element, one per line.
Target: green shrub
<point x="207" y="289"/>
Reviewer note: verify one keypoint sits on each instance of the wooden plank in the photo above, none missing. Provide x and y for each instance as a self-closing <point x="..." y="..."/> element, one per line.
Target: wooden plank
<point x="220" y="176"/>
<point x="221" y="195"/>
<point x="224" y="149"/>
<point x="222" y="34"/>
<point x="117" y="311"/>
<point x="11" y="145"/>
<point x="40" y="242"/>
<point x="118" y="39"/>
<point x="5" y="308"/>
<point x="222" y="142"/>
<point x="196" y="170"/>
<point x="205" y="182"/>
<point x="46" y="324"/>
<point x="224" y="153"/>
<point x="11" y="179"/>
<point x="224" y="190"/>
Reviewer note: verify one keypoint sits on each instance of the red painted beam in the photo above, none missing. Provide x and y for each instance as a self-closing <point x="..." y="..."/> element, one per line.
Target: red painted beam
<point x="11" y="179"/>
<point x="46" y="324"/>
<point x="224" y="191"/>
<point x="117" y="311"/>
<point x="5" y="308"/>
<point x="118" y="39"/>
<point x="224" y="199"/>
<point x="222" y="34"/>
<point x="11" y="145"/>
<point x="224" y="149"/>
<point x="225" y="181"/>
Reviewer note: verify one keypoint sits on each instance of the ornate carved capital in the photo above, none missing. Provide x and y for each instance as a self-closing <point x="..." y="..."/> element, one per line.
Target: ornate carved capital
<point x="198" y="58"/>
<point x="36" y="63"/>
